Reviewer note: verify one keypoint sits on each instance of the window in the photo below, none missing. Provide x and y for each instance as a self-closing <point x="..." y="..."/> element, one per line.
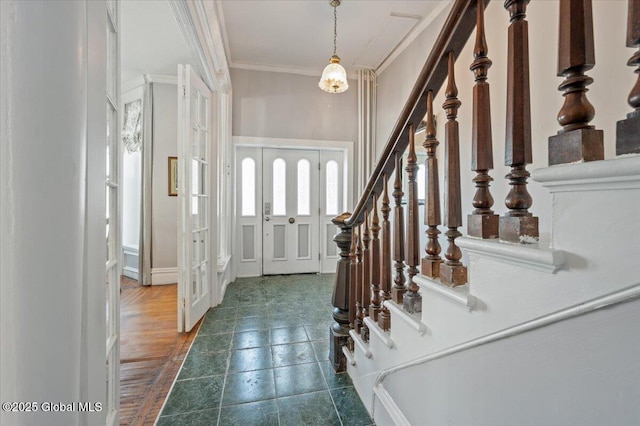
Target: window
<point x="248" y="187"/>
<point x="304" y="187"/>
<point x="332" y="188"/>
<point x="279" y="187"/>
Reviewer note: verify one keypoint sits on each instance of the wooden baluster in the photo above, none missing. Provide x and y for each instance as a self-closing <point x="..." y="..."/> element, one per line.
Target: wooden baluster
<point x="452" y="272"/>
<point x="518" y="225"/>
<point x="339" y="333"/>
<point x="482" y="223"/>
<point x="366" y="277"/>
<point x="577" y="140"/>
<point x="359" y="271"/>
<point x="398" y="235"/>
<point x="384" y="319"/>
<point x="412" y="300"/>
<point x="628" y="130"/>
<point x="431" y="262"/>
<point x="353" y="278"/>
<point x="374" y="306"/>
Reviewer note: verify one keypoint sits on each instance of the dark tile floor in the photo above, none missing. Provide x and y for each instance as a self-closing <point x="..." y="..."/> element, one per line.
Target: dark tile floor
<point x="261" y="358"/>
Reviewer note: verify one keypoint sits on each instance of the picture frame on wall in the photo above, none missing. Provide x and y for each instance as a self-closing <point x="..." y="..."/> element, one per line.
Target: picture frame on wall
<point x="173" y="176"/>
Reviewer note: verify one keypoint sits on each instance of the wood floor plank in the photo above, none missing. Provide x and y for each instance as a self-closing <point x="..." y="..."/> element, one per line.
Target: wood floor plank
<point x="151" y="350"/>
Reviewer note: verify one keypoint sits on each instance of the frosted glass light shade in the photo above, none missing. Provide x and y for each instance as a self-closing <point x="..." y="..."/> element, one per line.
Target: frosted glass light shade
<point x="334" y="77"/>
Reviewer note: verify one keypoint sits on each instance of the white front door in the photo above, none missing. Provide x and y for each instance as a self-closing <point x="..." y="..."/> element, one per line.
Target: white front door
<point x="290" y="207"/>
<point x="194" y="159"/>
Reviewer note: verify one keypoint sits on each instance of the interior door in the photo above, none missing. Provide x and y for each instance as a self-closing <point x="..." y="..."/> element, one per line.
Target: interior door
<point x="194" y="103"/>
<point x="291" y="218"/>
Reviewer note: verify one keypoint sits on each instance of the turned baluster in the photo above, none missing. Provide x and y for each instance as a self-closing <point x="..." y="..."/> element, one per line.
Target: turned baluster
<point x="343" y="308"/>
<point x="518" y="225"/>
<point x="353" y="277"/>
<point x="431" y="262"/>
<point x="482" y="223"/>
<point x="359" y="272"/>
<point x="374" y="306"/>
<point x="412" y="300"/>
<point x="452" y="272"/>
<point x="384" y="319"/>
<point x="628" y="130"/>
<point x="366" y="277"/>
<point x="577" y="140"/>
<point x="398" y="235"/>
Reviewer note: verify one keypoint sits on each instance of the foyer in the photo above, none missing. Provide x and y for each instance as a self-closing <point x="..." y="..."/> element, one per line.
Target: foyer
<point x="261" y="358"/>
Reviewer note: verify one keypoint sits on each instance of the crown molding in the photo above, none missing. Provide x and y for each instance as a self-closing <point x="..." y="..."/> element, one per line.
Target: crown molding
<point x="310" y="72"/>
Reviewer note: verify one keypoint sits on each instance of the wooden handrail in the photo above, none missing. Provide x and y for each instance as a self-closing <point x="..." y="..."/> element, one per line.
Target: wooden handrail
<point x="453" y="37"/>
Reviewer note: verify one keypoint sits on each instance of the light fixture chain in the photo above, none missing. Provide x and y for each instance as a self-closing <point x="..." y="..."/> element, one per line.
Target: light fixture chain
<point x="335" y="29"/>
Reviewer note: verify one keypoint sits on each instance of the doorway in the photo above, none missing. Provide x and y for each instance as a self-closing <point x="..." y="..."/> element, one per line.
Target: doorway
<point x="285" y="200"/>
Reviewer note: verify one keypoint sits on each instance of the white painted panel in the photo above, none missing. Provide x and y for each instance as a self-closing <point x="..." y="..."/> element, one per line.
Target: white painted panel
<point x="304" y="241"/>
<point x="248" y="242"/>
<point x="279" y="242"/>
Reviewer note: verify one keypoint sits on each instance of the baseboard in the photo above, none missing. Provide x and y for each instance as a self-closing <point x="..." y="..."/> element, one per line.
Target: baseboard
<point x="130" y="273"/>
<point x="162" y="276"/>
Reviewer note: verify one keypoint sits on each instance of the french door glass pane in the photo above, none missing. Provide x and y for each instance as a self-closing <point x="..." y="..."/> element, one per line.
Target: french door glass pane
<point x="248" y="187"/>
<point x="304" y="187"/>
<point x="279" y="187"/>
<point x="332" y="188"/>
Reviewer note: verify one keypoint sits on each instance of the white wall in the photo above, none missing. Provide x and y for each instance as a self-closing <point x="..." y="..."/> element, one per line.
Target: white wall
<point x="164" y="239"/>
<point x="613" y="81"/>
<point x="576" y="372"/>
<point x="290" y="106"/>
<point x="131" y="181"/>
<point x="52" y="157"/>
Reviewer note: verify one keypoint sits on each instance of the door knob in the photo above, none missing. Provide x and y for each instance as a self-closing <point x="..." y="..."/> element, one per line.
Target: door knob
<point x="291" y="220"/>
<point x="266" y="219"/>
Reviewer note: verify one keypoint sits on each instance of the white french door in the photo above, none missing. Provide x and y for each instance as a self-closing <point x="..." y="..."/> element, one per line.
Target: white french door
<point x="114" y="246"/>
<point x="290" y="211"/>
<point x="194" y="198"/>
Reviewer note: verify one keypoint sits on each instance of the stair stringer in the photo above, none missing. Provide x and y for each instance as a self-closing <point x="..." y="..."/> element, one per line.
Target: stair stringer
<point x="595" y="227"/>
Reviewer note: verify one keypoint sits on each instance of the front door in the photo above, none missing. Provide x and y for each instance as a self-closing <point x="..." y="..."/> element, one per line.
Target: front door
<point x="290" y="207"/>
<point x="194" y="159"/>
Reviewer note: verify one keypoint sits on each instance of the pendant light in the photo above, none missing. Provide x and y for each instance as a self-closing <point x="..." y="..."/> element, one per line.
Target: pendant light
<point x="334" y="76"/>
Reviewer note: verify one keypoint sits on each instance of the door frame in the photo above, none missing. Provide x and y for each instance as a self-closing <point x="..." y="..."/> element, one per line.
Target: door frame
<point x="200" y="24"/>
<point x="347" y="147"/>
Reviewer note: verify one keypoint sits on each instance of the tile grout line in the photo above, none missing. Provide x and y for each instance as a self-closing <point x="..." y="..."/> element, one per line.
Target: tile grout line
<point x="226" y="371"/>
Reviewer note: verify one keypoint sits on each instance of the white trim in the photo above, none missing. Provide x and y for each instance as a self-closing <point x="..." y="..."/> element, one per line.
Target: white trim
<point x="348" y="355"/>
<point x="257" y="141"/>
<point x="458" y="295"/>
<point x="411" y="36"/>
<point x="531" y="256"/>
<point x="162" y="276"/>
<point x="223" y="263"/>
<point x="617" y="173"/>
<point x="360" y="344"/>
<point x="201" y="29"/>
<point x="384" y="336"/>
<point x="390" y="406"/>
<point x="414" y="322"/>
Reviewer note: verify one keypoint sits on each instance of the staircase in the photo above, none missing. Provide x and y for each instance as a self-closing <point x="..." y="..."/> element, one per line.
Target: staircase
<point x="508" y="326"/>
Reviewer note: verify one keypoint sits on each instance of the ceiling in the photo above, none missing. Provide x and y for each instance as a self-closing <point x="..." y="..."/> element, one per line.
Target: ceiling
<point x="278" y="35"/>
<point x="298" y="35"/>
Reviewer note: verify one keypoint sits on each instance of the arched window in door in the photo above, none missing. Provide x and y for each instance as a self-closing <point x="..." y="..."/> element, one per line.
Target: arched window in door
<point x="248" y="187"/>
<point x="279" y="187"/>
<point x="332" y="191"/>
<point x="304" y="187"/>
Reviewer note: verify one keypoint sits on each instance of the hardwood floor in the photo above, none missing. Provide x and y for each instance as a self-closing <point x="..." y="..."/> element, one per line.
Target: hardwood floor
<point x="151" y="350"/>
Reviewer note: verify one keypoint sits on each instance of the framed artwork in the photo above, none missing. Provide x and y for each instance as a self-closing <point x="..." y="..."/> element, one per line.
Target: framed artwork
<point x="173" y="176"/>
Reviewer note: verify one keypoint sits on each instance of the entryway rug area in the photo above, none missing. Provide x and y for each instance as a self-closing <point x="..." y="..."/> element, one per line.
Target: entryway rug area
<point x="261" y="358"/>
